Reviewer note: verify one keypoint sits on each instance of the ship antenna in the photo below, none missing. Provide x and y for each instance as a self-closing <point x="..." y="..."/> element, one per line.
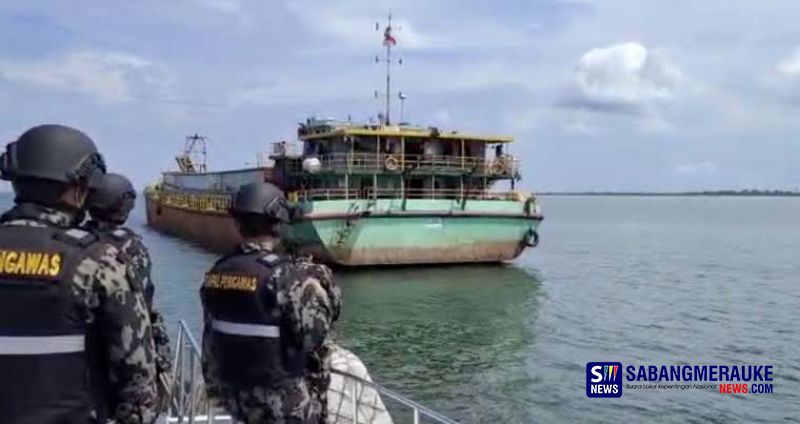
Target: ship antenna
<point x="388" y="41"/>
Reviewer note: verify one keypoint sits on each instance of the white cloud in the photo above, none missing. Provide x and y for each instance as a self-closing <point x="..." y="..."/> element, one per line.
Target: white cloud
<point x="704" y="167"/>
<point x="106" y="76"/>
<point x="442" y="116"/>
<point x="522" y="120"/>
<point x="790" y="66"/>
<point x="782" y="81"/>
<point x="227" y="6"/>
<point x="234" y="9"/>
<point x="357" y="31"/>
<point x="580" y="125"/>
<point x="625" y="76"/>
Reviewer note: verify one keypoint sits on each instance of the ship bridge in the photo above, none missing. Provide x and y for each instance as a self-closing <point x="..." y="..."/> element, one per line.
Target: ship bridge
<point x="396" y="161"/>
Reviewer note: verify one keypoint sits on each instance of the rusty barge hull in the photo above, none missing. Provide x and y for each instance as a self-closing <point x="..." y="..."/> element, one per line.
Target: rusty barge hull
<point x="210" y="230"/>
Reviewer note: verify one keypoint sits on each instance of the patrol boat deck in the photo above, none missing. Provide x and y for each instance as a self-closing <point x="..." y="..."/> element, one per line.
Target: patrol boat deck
<point x="352" y="397"/>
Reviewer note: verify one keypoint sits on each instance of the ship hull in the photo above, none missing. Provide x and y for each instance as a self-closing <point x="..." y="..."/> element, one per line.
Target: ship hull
<point x="213" y="231"/>
<point x="362" y="233"/>
<point x="419" y="239"/>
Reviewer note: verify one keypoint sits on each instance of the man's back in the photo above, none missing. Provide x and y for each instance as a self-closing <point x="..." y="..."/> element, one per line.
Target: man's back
<point x="277" y="302"/>
<point x="135" y="253"/>
<point x="109" y="204"/>
<point x="65" y="285"/>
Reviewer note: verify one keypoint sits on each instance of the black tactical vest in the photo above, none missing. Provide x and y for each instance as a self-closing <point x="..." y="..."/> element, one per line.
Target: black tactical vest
<point x="44" y="370"/>
<point x="253" y="344"/>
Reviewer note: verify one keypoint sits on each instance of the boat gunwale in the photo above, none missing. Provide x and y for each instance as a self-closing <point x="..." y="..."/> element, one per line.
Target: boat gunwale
<point x="230" y="171"/>
<point x="388" y="214"/>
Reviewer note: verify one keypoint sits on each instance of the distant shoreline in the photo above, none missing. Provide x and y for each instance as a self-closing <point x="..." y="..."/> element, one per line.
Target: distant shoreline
<point x="717" y="193"/>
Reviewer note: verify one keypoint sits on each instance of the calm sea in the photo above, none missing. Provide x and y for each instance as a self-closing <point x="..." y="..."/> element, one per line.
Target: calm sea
<point x="640" y="280"/>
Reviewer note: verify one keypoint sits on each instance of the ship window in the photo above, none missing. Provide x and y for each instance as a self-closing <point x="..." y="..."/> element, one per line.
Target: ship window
<point x="388" y="182"/>
<point x="476" y="149"/>
<point x="392" y="145"/>
<point x="311" y="148"/>
<point x="334" y="147"/>
<point x="366" y="145"/>
<point x="413" y="147"/>
<point x="415" y="188"/>
<point x="449" y="149"/>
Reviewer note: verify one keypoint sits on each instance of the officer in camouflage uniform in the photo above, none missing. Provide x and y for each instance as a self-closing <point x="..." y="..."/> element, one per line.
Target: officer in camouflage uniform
<point x="66" y="302"/>
<point x="109" y="205"/>
<point x="267" y="318"/>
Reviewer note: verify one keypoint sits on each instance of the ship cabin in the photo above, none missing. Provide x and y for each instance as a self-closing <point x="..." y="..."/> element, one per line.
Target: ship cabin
<point x="344" y="160"/>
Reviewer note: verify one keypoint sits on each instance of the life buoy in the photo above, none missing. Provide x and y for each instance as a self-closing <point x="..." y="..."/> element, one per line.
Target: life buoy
<point x="531" y="238"/>
<point x="391" y="163"/>
<point x="498" y="167"/>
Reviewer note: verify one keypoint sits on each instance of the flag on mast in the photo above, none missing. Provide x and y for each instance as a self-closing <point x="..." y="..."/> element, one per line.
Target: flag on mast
<point x="388" y="38"/>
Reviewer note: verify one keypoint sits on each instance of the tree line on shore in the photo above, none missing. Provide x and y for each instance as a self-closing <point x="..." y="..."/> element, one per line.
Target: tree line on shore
<point x="745" y="192"/>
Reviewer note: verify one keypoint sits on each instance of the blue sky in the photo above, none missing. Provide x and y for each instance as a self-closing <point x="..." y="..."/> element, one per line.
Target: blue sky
<point x="601" y="95"/>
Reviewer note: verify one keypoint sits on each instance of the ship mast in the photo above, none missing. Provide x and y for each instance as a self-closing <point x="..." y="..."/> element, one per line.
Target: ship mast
<point x="388" y="41"/>
<point x="193" y="158"/>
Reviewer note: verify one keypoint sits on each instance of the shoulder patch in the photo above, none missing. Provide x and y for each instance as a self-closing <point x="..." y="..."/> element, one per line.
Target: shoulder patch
<point x="76" y="233"/>
<point x="77" y="237"/>
<point x="270" y="259"/>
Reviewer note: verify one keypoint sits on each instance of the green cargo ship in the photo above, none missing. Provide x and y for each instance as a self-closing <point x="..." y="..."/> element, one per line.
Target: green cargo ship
<point x="373" y="193"/>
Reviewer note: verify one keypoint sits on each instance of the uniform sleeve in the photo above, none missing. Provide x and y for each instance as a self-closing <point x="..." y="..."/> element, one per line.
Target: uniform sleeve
<point x="142" y="261"/>
<point x="161" y="341"/>
<point x="120" y="311"/>
<point x="310" y="301"/>
<point x="210" y="371"/>
<point x="324" y="275"/>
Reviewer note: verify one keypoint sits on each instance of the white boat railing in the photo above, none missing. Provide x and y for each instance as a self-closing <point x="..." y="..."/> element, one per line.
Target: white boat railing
<point x="185" y="393"/>
<point x="185" y="400"/>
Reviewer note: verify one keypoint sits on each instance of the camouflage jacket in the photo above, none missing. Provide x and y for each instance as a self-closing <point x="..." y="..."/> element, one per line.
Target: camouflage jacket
<point x="102" y="285"/>
<point x="140" y="267"/>
<point x="311" y="302"/>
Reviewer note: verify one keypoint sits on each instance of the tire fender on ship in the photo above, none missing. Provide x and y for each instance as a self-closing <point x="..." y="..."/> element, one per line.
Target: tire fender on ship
<point x="531" y="238"/>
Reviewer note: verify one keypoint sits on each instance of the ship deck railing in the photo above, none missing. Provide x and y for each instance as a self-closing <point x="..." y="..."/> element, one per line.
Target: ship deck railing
<point x="220" y="203"/>
<point x="501" y="167"/>
<point x="368" y="193"/>
<point x="202" y="202"/>
<point x="185" y="400"/>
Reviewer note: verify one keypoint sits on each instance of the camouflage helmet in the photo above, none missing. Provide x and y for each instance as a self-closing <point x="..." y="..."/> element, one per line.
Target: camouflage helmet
<point x="112" y="199"/>
<point x="55" y="153"/>
<point x="262" y="198"/>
